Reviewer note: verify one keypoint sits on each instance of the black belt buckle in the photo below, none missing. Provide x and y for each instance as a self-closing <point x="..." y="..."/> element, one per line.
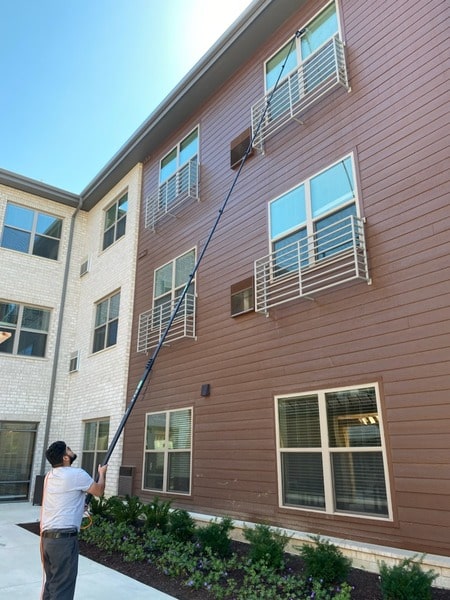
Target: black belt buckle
<point x="54" y="534"/>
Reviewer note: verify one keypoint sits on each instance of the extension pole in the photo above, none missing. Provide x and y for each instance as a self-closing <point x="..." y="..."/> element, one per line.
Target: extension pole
<point x="173" y="315"/>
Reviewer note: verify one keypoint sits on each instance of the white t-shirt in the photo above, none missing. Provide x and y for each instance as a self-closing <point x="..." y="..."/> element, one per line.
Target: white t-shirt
<point x="64" y="498"/>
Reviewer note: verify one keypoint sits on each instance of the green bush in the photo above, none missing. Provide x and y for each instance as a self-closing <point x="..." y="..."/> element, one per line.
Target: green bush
<point x="324" y="561"/>
<point x="125" y="511"/>
<point x="181" y="525"/>
<point x="266" y="544"/>
<point x="216" y="536"/>
<point x="156" y="514"/>
<point x="406" y="581"/>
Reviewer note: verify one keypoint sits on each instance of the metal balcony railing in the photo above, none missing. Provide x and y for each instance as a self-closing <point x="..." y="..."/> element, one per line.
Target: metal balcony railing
<point x="182" y="186"/>
<point x="153" y="323"/>
<point x="317" y="75"/>
<point x="331" y="257"/>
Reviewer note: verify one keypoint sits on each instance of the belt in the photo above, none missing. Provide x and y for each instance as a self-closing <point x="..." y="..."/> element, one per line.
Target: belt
<point x="59" y="533"/>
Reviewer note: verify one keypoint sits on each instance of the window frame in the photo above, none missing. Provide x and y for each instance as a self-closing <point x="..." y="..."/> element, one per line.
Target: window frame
<point x="298" y="46"/>
<point x="166" y="451"/>
<point x="309" y="225"/>
<point x="326" y="450"/>
<point x="97" y="453"/>
<point x="118" y="225"/>
<point x="17" y="328"/>
<point x="107" y="323"/>
<point x="179" y="164"/>
<point x="33" y="233"/>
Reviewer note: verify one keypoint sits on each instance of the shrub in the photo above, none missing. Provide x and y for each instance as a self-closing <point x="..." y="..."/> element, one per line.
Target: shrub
<point x="125" y="511"/>
<point x="181" y="525"/>
<point x="266" y="544"/>
<point x="324" y="561"/>
<point x="406" y="581"/>
<point x="157" y="514"/>
<point x="215" y="536"/>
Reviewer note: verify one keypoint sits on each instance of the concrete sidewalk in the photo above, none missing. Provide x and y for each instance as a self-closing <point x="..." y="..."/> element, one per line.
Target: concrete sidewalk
<point x="21" y="573"/>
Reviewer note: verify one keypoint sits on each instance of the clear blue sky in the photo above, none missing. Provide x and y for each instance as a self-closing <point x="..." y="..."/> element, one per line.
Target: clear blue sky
<point x="78" y="77"/>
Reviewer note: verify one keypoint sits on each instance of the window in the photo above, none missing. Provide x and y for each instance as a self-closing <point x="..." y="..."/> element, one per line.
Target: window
<point x="106" y="322"/>
<point x="95" y="445"/>
<point x="331" y="452"/>
<point x="28" y="327"/>
<point x="317" y="65"/>
<point x="170" y="281"/>
<point x="178" y="169"/>
<point x="167" y="462"/>
<point x="242" y="297"/>
<point x="26" y="230"/>
<point x="115" y="221"/>
<point x="313" y="214"/>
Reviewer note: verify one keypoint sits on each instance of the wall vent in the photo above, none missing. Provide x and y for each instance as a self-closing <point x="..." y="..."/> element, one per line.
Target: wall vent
<point x="85" y="266"/>
<point x="239" y="146"/>
<point x="74" y="362"/>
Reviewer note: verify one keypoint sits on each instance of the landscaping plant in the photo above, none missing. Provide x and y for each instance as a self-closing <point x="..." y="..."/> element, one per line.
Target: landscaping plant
<point x="406" y="581"/>
<point x="266" y="544"/>
<point x="324" y="561"/>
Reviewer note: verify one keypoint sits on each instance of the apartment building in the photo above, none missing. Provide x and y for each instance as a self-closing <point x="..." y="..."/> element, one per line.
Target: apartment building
<point x="66" y="296"/>
<point x="304" y="380"/>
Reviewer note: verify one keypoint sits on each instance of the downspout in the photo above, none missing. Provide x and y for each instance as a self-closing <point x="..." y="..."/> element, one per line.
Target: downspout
<point x="51" y="397"/>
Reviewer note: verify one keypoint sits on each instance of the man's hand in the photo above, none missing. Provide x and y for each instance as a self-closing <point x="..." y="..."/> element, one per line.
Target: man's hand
<point x="102" y="470"/>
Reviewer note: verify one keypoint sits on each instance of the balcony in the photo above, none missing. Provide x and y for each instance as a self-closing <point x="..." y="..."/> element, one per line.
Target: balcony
<point x="180" y="187"/>
<point x="318" y="75"/>
<point x="331" y="257"/>
<point x="153" y="323"/>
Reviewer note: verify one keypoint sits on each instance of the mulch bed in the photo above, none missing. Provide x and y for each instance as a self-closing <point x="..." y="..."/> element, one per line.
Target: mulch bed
<point x="365" y="584"/>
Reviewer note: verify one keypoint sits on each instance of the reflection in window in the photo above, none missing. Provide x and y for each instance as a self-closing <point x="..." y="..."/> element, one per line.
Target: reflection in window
<point x="95" y="445"/>
<point x="333" y="440"/>
<point x="29" y="231"/>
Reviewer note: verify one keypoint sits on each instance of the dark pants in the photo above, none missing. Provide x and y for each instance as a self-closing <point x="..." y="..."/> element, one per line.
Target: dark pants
<point x="60" y="562"/>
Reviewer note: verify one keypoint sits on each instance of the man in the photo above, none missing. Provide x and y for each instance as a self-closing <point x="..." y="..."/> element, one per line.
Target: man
<point x="62" y="511"/>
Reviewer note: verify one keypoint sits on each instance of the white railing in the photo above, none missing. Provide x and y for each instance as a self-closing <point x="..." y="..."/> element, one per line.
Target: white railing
<point x="182" y="186"/>
<point x="331" y="257"/>
<point x="153" y="323"/>
<point x="317" y="75"/>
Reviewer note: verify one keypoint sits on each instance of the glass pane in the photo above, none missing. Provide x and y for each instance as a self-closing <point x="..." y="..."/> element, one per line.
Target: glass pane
<point x="100" y="460"/>
<point x="101" y="315"/>
<point x="353" y="418"/>
<point x="114" y="305"/>
<point x="188" y="148"/>
<point x="46" y="247"/>
<point x="103" y="434"/>
<point x="163" y="280"/>
<point x="287" y="212"/>
<point x="183" y="268"/>
<point x="180" y="429"/>
<point x="49" y="226"/>
<point x="90" y="433"/>
<point x="289" y="252"/>
<point x="123" y="206"/>
<point x="20" y="217"/>
<point x="108" y="237"/>
<point x="154" y="470"/>
<point x="120" y="229"/>
<point x="334" y="233"/>
<point x="99" y="338"/>
<point x="8" y="313"/>
<point x="156" y="431"/>
<point x="32" y="344"/>
<point x="179" y="470"/>
<point x="332" y="188"/>
<point x="87" y="462"/>
<point x="299" y="422"/>
<point x="16" y="240"/>
<point x="303" y="479"/>
<point x="112" y="333"/>
<point x="274" y="65"/>
<point x="34" y="318"/>
<point x="319" y="31"/>
<point x="168" y="166"/>
<point x="110" y="216"/>
<point x="16" y="456"/>
<point x="359" y="482"/>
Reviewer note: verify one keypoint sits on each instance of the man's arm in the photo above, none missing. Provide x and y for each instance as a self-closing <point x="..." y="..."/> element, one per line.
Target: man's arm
<point x="98" y="487"/>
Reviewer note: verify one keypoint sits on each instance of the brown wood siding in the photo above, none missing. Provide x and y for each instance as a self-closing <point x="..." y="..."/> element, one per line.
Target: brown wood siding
<point x="395" y="331"/>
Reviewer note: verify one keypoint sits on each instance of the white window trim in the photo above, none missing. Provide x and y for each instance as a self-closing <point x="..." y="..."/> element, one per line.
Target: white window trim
<point x="116" y="201"/>
<point x="177" y="148"/>
<point x="96" y="304"/>
<point x="172" y="290"/>
<point x="326" y="452"/>
<point x="166" y="451"/>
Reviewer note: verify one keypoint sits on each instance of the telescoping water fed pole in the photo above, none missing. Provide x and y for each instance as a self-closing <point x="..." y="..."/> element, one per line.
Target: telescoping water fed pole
<point x="151" y="361"/>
